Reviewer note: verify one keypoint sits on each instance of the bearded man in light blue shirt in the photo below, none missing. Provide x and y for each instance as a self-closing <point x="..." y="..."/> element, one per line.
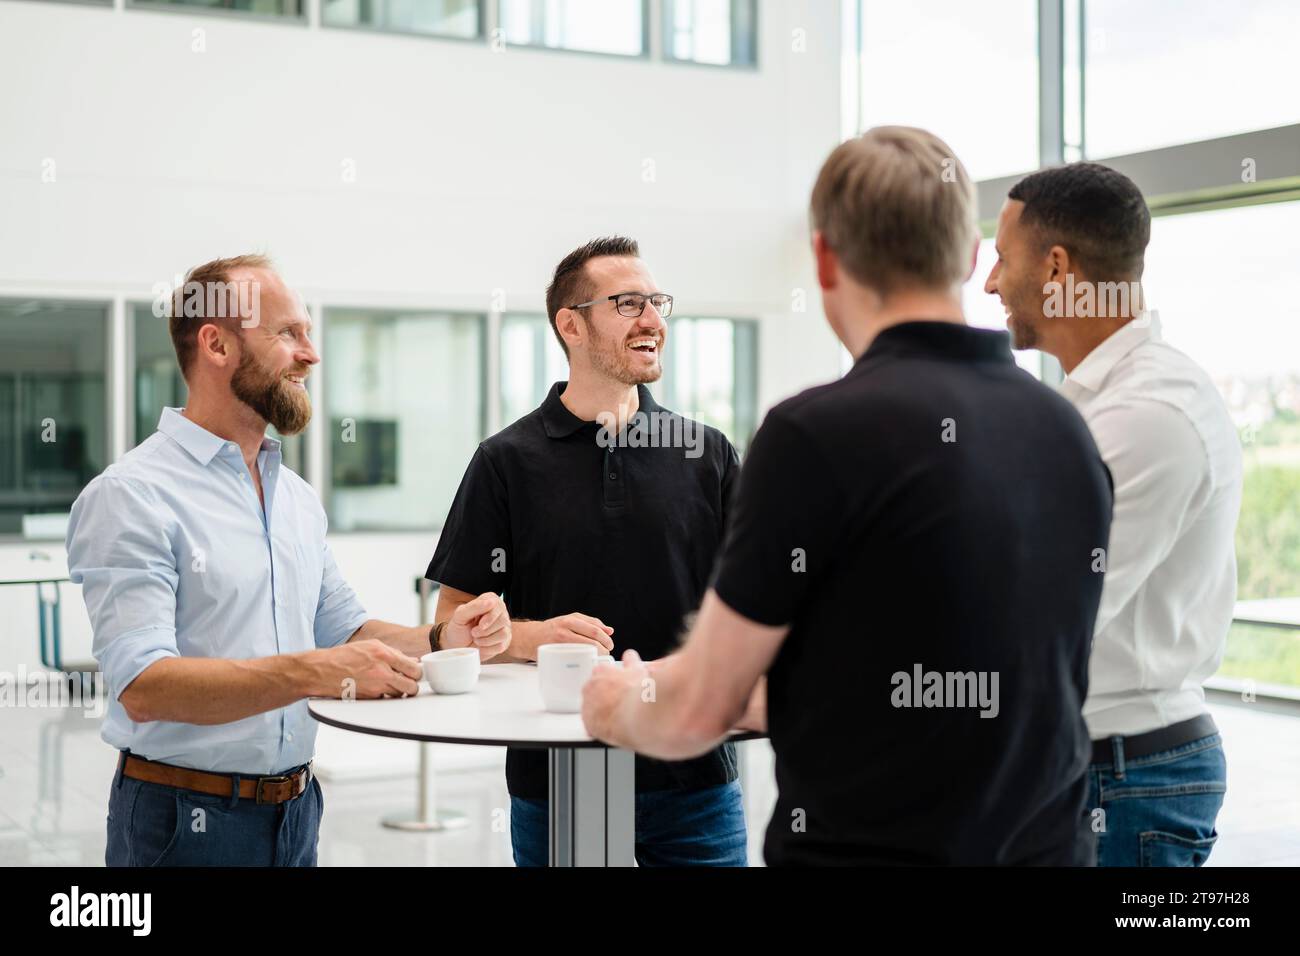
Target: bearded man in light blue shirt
<point x="216" y="605"/>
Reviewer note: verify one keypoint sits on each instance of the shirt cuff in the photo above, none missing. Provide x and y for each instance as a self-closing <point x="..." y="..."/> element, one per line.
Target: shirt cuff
<point x="126" y="656"/>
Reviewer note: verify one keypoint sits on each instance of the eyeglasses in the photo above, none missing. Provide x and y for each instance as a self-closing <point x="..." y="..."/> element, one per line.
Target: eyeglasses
<point x="632" y="304"/>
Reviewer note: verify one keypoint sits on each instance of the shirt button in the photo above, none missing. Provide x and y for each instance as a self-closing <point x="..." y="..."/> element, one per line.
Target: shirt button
<point x="289" y="737"/>
<point x="613" y="475"/>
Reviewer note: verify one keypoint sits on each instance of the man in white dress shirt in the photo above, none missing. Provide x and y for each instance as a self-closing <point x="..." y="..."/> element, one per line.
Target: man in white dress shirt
<point x="216" y="604"/>
<point x="1070" y="243"/>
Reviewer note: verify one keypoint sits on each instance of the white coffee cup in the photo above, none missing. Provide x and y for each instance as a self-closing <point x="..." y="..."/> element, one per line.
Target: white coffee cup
<point x="562" y="669"/>
<point x="451" y="671"/>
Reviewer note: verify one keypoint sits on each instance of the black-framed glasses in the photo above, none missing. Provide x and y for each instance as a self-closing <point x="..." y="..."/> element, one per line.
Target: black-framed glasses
<point x="632" y="304"/>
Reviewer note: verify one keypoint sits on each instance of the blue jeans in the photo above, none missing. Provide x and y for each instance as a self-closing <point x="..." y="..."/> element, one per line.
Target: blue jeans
<point x="153" y="825"/>
<point x="1158" y="810"/>
<point x="673" y="828"/>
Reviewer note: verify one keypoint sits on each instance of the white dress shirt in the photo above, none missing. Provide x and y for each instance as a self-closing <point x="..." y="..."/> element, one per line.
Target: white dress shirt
<point x="176" y="557"/>
<point x="1171" y="569"/>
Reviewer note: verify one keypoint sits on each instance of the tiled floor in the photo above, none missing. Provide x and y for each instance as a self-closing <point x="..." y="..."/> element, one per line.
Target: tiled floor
<point x="55" y="771"/>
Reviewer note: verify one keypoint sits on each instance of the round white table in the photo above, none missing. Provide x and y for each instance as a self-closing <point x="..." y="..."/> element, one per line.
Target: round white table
<point x="592" y="785"/>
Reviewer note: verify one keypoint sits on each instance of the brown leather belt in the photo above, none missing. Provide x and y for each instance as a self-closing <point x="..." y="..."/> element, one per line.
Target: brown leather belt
<point x="273" y="789"/>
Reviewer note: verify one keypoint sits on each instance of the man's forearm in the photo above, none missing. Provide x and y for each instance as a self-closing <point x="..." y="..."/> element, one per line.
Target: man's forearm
<point x="658" y="718"/>
<point x="196" y="690"/>
<point x="411" y="641"/>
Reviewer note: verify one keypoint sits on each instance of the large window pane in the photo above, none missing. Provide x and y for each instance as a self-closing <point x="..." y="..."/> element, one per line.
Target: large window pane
<point x="455" y="18"/>
<point x="531" y="361"/>
<point x="1163" y="72"/>
<point x="404" y="391"/>
<point x="967" y="72"/>
<point x="1222" y="283"/>
<point x="53" y="405"/>
<point x="157" y="382"/>
<point x="276" y="8"/>
<point x="597" y="26"/>
<point x="710" y="374"/>
<point x="711" y="31"/>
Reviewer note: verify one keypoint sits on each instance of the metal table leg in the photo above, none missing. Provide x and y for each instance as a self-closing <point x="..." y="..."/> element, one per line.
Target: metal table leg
<point x="592" y="807"/>
<point x="427" y="819"/>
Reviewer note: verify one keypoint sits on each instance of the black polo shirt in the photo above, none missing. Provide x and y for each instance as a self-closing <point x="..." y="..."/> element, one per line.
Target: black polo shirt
<point x="934" y="511"/>
<point x="557" y="518"/>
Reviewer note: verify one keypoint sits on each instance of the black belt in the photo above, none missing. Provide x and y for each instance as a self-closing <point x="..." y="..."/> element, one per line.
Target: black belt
<point x="1155" y="741"/>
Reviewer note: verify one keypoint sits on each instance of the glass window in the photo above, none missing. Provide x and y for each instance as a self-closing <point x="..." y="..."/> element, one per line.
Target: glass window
<point x="53" y="405"/>
<point x="158" y="383"/>
<point x="404" y="392"/>
<point x="157" y="378"/>
<point x="1222" y="284"/>
<point x="711" y="31"/>
<point x="710" y="374"/>
<point x="454" y="18"/>
<point x="710" y="371"/>
<point x="596" y="26"/>
<point x="968" y="72"/>
<point x="1164" y="72"/>
<point x="531" y="361"/>
<point x="275" y="8"/>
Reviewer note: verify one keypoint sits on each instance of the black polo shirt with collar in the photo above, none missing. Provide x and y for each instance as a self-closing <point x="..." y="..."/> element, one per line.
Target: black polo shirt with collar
<point x="556" y="517"/>
<point x="934" y="512"/>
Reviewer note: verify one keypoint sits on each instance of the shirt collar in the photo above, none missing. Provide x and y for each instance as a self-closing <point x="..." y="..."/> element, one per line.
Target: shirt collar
<point x="1091" y="373"/>
<point x="559" y="422"/>
<point x="201" y="444"/>
<point x="954" y="339"/>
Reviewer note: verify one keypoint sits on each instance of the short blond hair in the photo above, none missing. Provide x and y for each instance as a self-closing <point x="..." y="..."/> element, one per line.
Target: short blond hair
<point x="898" y="209"/>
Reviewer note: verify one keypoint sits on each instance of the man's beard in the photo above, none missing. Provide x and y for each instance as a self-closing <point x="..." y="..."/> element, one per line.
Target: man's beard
<point x="285" y="406"/>
<point x="1023" y="335"/>
<point x="614" y="361"/>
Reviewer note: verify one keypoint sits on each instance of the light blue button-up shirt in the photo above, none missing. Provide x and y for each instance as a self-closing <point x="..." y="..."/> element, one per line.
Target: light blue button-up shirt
<point x="176" y="557"/>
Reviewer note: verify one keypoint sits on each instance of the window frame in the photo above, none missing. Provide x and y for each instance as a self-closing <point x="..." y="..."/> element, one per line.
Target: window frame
<point x="667" y="9"/>
<point x="481" y="38"/>
<point x="645" y="56"/>
<point x="301" y="19"/>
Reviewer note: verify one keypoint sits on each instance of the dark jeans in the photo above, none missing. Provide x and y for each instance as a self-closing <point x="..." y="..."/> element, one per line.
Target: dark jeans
<point x="153" y="825"/>
<point x="673" y="828"/>
<point x="1158" y="810"/>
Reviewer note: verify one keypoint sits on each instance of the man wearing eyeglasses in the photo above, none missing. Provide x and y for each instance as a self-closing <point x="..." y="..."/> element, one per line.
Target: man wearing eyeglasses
<point x="597" y="516"/>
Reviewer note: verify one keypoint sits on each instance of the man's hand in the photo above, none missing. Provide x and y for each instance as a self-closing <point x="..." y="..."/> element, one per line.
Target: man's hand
<point x="606" y="691"/>
<point x="483" y="623"/>
<point x="574" y="628"/>
<point x="365" y="670"/>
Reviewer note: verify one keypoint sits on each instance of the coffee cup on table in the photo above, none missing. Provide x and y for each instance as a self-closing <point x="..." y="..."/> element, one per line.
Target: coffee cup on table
<point x="562" y="669"/>
<point x="451" y="671"/>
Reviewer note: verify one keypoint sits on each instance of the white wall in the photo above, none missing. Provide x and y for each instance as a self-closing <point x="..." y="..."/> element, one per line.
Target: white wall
<point x="475" y="171"/>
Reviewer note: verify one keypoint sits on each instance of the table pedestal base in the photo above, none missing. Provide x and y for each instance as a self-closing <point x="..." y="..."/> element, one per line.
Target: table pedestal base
<point x="427" y="817"/>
